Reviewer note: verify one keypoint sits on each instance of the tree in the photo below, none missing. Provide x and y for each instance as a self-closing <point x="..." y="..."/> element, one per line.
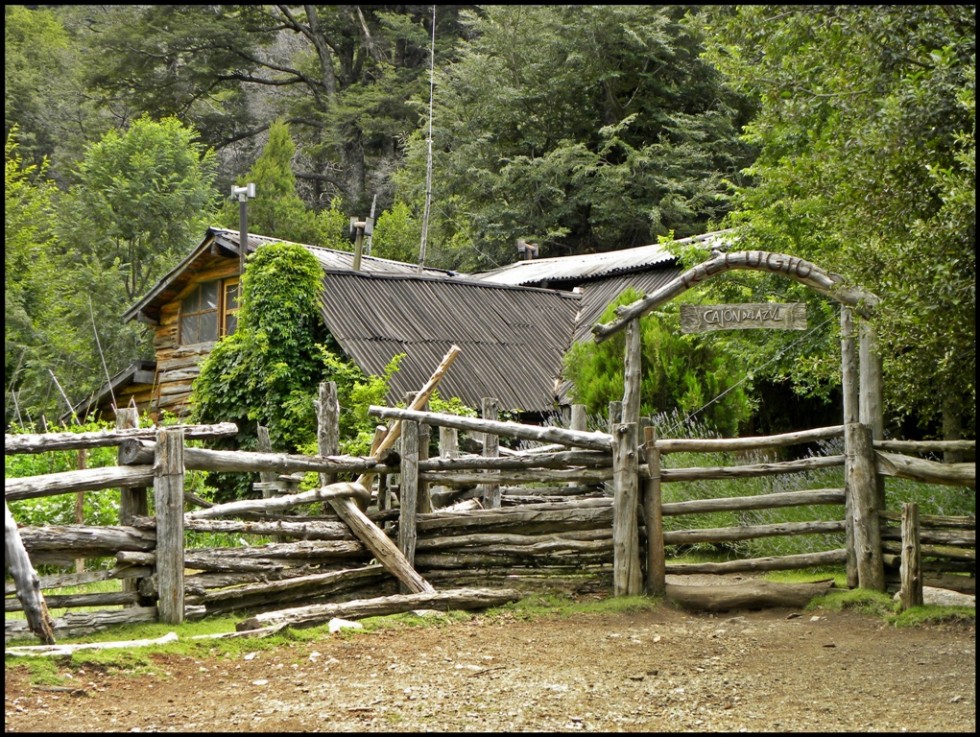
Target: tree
<point x="277" y="209"/>
<point x="43" y="93"/>
<point x="585" y="128"/>
<point x="342" y="75"/>
<point x="866" y="133"/>
<point x="691" y="374"/>
<point x="144" y="197"/>
<point x="34" y="343"/>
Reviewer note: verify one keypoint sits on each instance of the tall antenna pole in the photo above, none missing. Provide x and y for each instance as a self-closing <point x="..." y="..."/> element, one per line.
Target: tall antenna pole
<point x="243" y="194"/>
<point x="428" y="167"/>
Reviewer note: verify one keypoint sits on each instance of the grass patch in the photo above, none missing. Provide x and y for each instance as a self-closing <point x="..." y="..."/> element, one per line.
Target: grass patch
<point x="412" y="620"/>
<point x="932" y="615"/>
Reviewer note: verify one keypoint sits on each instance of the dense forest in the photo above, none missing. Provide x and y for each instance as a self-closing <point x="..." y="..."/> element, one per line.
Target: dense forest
<point x="844" y="135"/>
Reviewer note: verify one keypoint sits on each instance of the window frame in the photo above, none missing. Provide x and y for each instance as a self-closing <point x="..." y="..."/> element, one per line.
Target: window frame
<point x="220" y="311"/>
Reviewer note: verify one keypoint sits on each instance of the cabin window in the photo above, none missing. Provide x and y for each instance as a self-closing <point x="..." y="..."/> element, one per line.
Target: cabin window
<point x="229" y="306"/>
<point x="210" y="307"/>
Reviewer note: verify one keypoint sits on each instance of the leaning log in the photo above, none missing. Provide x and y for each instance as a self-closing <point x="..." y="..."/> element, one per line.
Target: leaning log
<point x="315" y="614"/>
<point x="26" y="579"/>
<point x="746" y="595"/>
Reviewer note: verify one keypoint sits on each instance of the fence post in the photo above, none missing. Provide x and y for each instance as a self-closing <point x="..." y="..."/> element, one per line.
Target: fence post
<point x="911" y="574"/>
<point x="132" y="502"/>
<point x="627" y="575"/>
<point x="861" y="488"/>
<point x="851" y="401"/>
<point x="654" y="518"/>
<point x="328" y="426"/>
<point x="263" y="444"/>
<point x="408" y="507"/>
<point x="425" y="493"/>
<point x="168" y="494"/>
<point x="578" y="421"/>
<point x="632" y="373"/>
<point x="871" y="407"/>
<point x="491" y="449"/>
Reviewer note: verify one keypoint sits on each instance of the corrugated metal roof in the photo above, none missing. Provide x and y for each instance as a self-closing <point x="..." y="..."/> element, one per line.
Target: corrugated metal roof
<point x="512" y="339"/>
<point x="329" y="258"/>
<point x="585" y="267"/>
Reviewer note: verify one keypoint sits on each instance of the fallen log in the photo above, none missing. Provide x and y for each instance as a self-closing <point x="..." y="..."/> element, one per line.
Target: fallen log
<point x="315" y="614"/>
<point x="746" y="595"/>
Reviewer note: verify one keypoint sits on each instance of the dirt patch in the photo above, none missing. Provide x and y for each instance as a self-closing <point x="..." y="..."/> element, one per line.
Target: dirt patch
<point x="659" y="670"/>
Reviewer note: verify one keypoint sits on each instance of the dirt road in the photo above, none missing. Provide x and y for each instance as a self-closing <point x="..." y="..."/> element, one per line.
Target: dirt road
<point x="659" y="670"/>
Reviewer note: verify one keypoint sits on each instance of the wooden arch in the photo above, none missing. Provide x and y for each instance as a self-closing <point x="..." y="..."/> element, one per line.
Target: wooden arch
<point x="826" y="283"/>
<point x="862" y="411"/>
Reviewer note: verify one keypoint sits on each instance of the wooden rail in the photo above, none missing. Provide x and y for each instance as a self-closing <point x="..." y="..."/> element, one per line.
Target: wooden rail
<point x="567" y="533"/>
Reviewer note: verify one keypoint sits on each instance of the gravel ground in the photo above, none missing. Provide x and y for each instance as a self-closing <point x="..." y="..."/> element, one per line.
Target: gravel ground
<point x="658" y="670"/>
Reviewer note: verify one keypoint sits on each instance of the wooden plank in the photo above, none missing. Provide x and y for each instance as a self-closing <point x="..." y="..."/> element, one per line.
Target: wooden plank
<point x="594" y="440"/>
<point x="921" y="469"/>
<point x="765" y="315"/>
<point x="697" y="445"/>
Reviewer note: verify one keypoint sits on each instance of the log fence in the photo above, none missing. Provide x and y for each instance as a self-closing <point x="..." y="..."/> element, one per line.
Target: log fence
<point x="582" y="510"/>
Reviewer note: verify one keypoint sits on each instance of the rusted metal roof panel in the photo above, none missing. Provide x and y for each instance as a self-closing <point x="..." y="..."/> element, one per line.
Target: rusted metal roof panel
<point x="512" y="339"/>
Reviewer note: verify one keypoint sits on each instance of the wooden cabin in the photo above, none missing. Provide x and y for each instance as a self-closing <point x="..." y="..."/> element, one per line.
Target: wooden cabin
<point x="512" y="339"/>
<point x="513" y="324"/>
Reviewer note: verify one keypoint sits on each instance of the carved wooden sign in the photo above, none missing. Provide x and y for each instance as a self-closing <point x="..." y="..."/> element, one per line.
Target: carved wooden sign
<point x="767" y="315"/>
